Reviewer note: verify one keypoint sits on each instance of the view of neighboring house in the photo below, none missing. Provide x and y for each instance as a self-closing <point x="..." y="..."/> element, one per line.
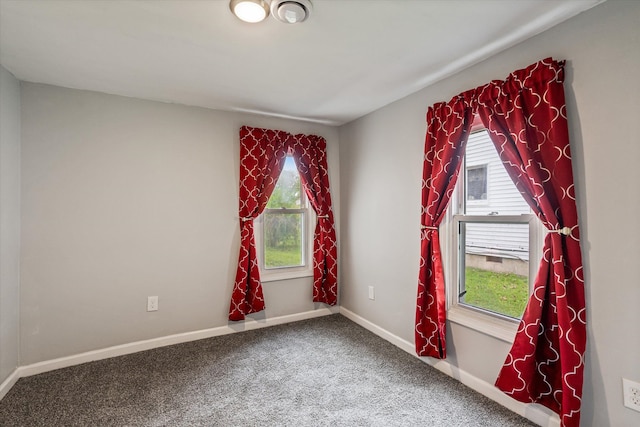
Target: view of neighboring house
<point x="490" y="191"/>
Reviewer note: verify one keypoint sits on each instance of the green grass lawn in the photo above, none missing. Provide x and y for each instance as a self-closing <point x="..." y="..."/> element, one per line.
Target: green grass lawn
<point x="284" y="256"/>
<point x="503" y="293"/>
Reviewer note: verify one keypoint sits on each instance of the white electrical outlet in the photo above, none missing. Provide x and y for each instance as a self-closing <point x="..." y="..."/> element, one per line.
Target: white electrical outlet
<point x="631" y="391"/>
<point x="372" y="294"/>
<point x="152" y="303"/>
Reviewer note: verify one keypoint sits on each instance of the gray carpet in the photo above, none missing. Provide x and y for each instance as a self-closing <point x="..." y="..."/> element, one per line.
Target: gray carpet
<point x="320" y="372"/>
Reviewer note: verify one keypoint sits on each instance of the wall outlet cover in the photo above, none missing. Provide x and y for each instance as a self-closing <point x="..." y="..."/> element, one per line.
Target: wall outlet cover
<point x="152" y="303"/>
<point x="631" y="392"/>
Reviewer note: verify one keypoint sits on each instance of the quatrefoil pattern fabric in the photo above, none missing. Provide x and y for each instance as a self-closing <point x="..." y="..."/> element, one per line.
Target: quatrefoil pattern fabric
<point x="310" y="155"/>
<point x="527" y="121"/>
<point x="262" y="156"/>
<point x="448" y="126"/>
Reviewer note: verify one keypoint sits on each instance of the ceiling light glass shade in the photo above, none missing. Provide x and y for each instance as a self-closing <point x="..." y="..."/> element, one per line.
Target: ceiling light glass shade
<point x="250" y="10"/>
<point x="291" y="11"/>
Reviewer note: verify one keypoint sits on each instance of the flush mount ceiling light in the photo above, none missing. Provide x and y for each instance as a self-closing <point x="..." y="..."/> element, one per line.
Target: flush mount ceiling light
<point x="291" y="11"/>
<point x="250" y="10"/>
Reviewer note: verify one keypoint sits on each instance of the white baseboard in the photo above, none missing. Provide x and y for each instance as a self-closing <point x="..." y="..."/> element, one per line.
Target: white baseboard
<point x="9" y="382"/>
<point x="537" y="414"/>
<point x="134" y="347"/>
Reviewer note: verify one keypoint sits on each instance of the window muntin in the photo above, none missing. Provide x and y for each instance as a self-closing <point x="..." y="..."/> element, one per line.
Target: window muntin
<point x="282" y="230"/>
<point x="494" y="244"/>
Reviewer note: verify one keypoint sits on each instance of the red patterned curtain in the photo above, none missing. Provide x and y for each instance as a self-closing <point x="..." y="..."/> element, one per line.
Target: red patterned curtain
<point x="526" y="119"/>
<point x="448" y="126"/>
<point x="262" y="156"/>
<point x="310" y="156"/>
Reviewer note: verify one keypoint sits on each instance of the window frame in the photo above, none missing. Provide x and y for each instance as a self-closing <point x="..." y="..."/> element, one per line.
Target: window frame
<point x="287" y="272"/>
<point x="459" y="273"/>
<point x="493" y="324"/>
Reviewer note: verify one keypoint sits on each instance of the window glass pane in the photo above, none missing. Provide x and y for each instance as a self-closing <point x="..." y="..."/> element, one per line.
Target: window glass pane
<point x="488" y="181"/>
<point x="477" y="183"/>
<point x="494" y="264"/>
<point x="287" y="193"/>
<point x="283" y="239"/>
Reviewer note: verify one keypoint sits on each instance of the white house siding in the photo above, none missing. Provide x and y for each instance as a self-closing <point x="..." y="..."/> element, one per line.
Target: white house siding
<point x="502" y="199"/>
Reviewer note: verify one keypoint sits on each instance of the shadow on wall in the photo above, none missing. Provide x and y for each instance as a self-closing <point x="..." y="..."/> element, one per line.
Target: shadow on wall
<point x="593" y="379"/>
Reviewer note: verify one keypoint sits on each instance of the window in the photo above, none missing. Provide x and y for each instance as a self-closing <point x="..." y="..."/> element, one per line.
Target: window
<point x="282" y="230"/>
<point x="494" y="246"/>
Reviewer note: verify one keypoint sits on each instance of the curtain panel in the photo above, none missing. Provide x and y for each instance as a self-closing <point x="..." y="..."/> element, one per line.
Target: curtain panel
<point x="262" y="156"/>
<point x="310" y="155"/>
<point x="526" y="119"/>
<point x="448" y="126"/>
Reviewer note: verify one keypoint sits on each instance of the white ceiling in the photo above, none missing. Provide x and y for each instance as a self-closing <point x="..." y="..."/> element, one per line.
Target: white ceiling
<point x="348" y="59"/>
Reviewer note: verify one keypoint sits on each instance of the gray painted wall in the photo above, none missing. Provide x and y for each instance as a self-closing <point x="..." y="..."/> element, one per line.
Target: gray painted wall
<point x="380" y="156"/>
<point x="9" y="223"/>
<point x="124" y="198"/>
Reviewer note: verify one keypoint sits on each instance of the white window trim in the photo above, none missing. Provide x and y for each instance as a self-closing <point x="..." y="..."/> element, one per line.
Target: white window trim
<point x="287" y="273"/>
<point x="504" y="330"/>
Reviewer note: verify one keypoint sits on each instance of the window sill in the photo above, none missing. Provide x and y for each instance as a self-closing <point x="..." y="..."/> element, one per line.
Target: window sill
<point x="275" y="276"/>
<point x="501" y="329"/>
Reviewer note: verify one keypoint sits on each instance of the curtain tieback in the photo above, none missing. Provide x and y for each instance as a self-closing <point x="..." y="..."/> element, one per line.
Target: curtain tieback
<point x="428" y="227"/>
<point x="322" y="216"/>
<point x="564" y="230"/>
<point x="245" y="218"/>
